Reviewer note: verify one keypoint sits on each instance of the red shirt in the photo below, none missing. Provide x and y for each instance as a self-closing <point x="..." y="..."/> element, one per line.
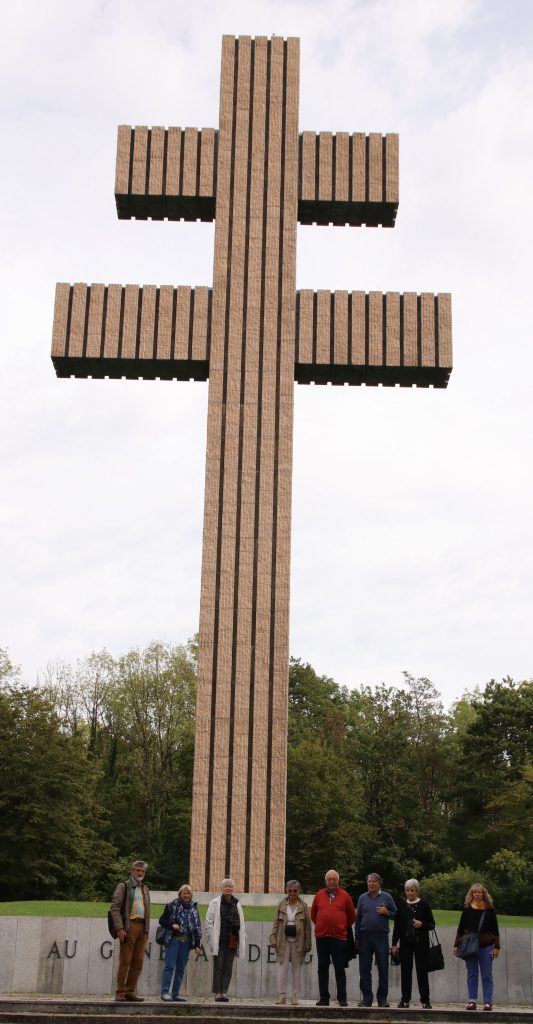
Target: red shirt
<point x="332" y="918"/>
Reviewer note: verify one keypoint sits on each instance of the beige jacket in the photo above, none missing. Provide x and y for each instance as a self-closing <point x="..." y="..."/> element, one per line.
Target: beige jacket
<point x="302" y="920"/>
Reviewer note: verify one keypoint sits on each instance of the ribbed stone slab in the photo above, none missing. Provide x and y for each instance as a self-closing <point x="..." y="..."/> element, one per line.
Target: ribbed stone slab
<point x="373" y="338"/>
<point x="131" y="332"/>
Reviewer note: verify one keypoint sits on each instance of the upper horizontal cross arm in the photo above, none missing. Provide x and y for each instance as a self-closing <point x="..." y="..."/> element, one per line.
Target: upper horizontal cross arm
<point x="172" y="173"/>
<point x="166" y="173"/>
<point x="348" y="179"/>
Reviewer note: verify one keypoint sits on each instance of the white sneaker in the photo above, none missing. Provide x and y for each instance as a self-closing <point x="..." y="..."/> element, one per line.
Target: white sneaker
<point x="281" y="1000"/>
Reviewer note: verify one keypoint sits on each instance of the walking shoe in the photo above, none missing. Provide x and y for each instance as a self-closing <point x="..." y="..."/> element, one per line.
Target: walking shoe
<point x="281" y="1000"/>
<point x="120" y="999"/>
<point x="342" y="1002"/>
<point x="487" y="1006"/>
<point x="426" y="1006"/>
<point x="363" y="1003"/>
<point x="132" y="998"/>
<point x="322" y="1002"/>
<point x="295" y="1001"/>
<point x="166" y="997"/>
<point x="383" y="1004"/>
<point x="224" y="998"/>
<point x="403" y="1004"/>
<point x="471" y="1005"/>
<point x="179" y="999"/>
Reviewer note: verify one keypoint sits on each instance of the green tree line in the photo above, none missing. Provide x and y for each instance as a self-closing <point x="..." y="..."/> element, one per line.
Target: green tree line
<point x="96" y="770"/>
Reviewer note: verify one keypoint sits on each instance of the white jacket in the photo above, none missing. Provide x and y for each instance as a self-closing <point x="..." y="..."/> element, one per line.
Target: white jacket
<point x="212" y="927"/>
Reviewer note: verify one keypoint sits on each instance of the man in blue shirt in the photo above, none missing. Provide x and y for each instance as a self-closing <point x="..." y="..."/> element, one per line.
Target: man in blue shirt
<point x="374" y="908"/>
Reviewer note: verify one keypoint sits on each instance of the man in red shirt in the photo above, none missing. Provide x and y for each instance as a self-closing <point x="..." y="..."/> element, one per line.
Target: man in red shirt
<point x="333" y="913"/>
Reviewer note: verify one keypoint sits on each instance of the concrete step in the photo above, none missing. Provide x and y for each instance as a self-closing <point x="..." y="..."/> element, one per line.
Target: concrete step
<point x="65" y="1010"/>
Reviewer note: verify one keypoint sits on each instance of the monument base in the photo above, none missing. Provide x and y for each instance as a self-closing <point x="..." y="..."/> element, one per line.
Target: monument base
<point x="77" y="957"/>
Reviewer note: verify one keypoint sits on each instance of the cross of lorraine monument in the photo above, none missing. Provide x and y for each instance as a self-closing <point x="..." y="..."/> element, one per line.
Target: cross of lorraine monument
<point x="252" y="335"/>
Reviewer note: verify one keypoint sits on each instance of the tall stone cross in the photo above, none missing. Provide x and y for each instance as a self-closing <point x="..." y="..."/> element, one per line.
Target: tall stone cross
<point x="252" y="334"/>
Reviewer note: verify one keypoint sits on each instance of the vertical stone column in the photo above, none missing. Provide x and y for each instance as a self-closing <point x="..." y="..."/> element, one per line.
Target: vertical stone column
<point x="238" y="822"/>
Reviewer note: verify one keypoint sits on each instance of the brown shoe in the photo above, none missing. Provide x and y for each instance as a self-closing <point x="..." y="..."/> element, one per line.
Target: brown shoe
<point x="120" y="998"/>
<point x="133" y="998"/>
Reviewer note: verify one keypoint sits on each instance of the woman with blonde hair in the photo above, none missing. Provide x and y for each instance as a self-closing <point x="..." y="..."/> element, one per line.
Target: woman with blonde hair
<point x="479" y="918"/>
<point x="291" y="938"/>
<point x="183" y="933"/>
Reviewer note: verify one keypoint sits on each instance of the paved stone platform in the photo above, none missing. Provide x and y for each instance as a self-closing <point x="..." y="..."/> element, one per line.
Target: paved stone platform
<point x="64" y="1010"/>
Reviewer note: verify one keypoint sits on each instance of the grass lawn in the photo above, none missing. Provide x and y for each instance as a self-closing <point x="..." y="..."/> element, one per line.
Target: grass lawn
<point x="71" y="908"/>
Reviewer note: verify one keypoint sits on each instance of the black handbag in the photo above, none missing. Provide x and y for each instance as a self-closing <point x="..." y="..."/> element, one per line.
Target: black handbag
<point x="469" y="944"/>
<point x="435" y="958"/>
<point x="160" y="934"/>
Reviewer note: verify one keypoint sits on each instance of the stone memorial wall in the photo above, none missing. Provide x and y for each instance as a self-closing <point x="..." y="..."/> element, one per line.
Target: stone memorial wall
<point x="76" y="956"/>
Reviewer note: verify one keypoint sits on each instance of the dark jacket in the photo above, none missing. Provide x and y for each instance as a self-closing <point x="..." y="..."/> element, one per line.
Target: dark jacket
<point x="121" y="906"/>
<point x="469" y="923"/>
<point x="404" y="932"/>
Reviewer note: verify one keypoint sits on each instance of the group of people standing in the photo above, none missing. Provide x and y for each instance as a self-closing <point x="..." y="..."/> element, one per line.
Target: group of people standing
<point x="341" y="932"/>
<point x="333" y="913"/>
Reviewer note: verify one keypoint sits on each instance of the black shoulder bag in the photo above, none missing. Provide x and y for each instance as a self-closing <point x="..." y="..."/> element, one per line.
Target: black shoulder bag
<point x="435" y="960"/>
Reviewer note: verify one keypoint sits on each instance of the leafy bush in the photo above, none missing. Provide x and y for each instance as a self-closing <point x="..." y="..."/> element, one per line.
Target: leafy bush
<point x="448" y="889"/>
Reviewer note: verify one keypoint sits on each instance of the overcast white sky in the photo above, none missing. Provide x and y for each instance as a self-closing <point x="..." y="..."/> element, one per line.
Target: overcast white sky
<point x="412" y="510"/>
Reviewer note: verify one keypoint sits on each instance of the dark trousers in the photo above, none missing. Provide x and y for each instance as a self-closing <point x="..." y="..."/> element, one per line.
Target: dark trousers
<point x="418" y="953"/>
<point x="222" y="968"/>
<point x="374" y="944"/>
<point x="334" y="950"/>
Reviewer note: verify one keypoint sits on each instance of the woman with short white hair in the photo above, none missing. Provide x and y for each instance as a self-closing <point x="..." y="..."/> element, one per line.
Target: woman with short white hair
<point x="226" y="936"/>
<point x="410" y="937"/>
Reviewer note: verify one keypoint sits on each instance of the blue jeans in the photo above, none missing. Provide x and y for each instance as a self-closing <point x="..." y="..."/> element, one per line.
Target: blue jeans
<point x="370" y="944"/>
<point x="176" y="956"/>
<point x="483" y="961"/>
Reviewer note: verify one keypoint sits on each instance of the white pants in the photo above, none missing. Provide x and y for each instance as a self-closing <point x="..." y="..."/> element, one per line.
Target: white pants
<point x="290" y="958"/>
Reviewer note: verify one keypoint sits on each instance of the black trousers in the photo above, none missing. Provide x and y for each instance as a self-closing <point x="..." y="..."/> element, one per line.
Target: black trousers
<point x="222" y="968"/>
<point x="419" y="954"/>
<point x="335" y="950"/>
